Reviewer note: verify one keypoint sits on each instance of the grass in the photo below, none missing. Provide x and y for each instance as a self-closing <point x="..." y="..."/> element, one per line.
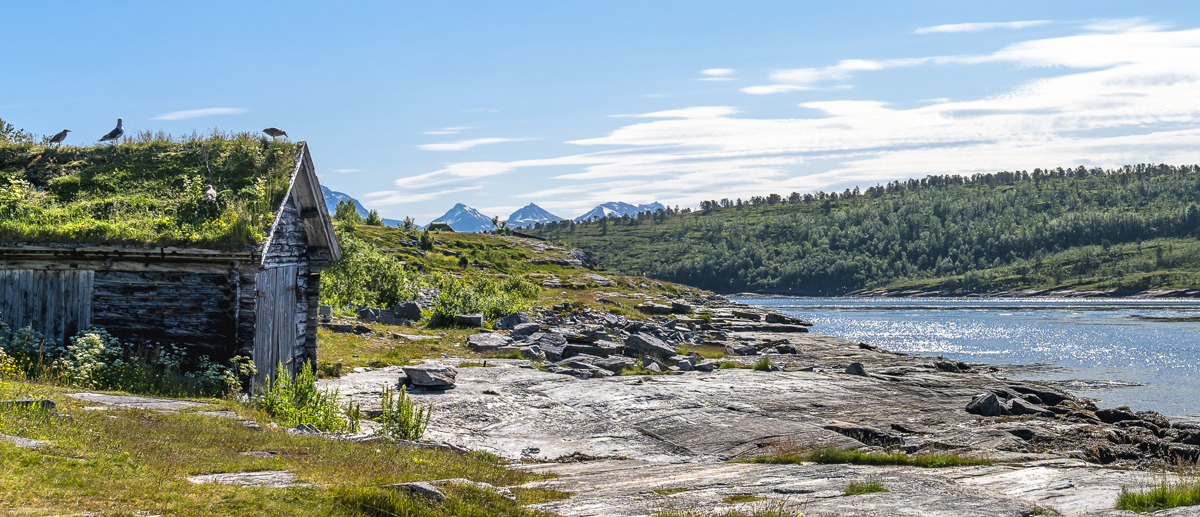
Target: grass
<point x="741" y="498"/>
<point x="870" y="486"/>
<point x="118" y="462"/>
<point x="763" y="365"/>
<point x="149" y="190"/>
<point x="670" y="491"/>
<point x="705" y="351"/>
<point x="1161" y="496"/>
<point x="725" y="365"/>
<point x="769" y="509"/>
<point x="842" y="456"/>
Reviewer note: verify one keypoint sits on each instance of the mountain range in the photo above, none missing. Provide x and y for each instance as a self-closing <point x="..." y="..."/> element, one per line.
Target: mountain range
<point x="467" y="219"/>
<point x="618" y="209"/>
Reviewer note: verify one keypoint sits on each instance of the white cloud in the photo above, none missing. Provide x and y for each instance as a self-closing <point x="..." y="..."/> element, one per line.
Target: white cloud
<point x="976" y="27"/>
<point x="716" y="79"/>
<point x="1113" y="98"/>
<point x="774" y="88"/>
<point x="346" y="171"/>
<point x="206" y="112"/>
<point x="718" y="71"/>
<point x="396" y="197"/>
<point x="447" y="131"/>
<point x="467" y="144"/>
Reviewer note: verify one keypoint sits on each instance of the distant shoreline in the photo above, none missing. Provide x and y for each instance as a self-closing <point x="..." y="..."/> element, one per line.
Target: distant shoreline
<point x="1029" y="293"/>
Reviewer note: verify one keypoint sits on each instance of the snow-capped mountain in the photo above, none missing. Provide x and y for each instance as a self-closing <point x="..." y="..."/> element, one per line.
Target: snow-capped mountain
<point x="618" y="209"/>
<point x="531" y="215"/>
<point x="332" y="198"/>
<point x="466" y="219"/>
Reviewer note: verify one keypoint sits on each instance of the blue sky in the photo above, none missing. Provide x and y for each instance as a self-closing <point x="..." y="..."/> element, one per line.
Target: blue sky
<point x="412" y="107"/>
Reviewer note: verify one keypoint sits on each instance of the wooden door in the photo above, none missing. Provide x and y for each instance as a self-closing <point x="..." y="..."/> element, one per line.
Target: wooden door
<point x="275" y="323"/>
<point x="57" y="303"/>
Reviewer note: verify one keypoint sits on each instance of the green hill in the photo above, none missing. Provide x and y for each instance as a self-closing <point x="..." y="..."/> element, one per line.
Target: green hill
<point x="1133" y="228"/>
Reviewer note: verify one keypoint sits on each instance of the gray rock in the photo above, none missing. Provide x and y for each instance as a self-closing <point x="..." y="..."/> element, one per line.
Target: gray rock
<point x="325" y="312"/>
<point x="654" y="308"/>
<point x="341" y="328"/>
<point x="468" y="320"/>
<point x="1020" y="406"/>
<point x="856" y="369"/>
<point x="649" y="345"/>
<point x="1112" y="416"/>
<point x="680" y="308"/>
<point x="435" y="376"/>
<point x="407" y="310"/>
<point x="785" y="349"/>
<point x="419" y="489"/>
<point x="654" y="368"/>
<point x="946" y="366"/>
<point x="705" y="366"/>
<point x="524" y="329"/>
<point x="488" y="343"/>
<point x="987" y="404"/>
<point x="615" y="364"/>
<point x="24" y="443"/>
<point x="747" y="315"/>
<point x="369" y="314"/>
<point x="533" y="353"/>
<point x="741" y="349"/>
<point x="511" y="321"/>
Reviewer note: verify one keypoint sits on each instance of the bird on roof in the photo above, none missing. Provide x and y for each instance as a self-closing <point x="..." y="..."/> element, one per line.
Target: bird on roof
<point x="274" y="132"/>
<point x="210" y="194"/>
<point x="116" y="133"/>
<point x="60" y="136"/>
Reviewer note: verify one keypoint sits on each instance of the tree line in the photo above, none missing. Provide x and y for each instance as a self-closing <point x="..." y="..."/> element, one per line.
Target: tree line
<point x="938" y="226"/>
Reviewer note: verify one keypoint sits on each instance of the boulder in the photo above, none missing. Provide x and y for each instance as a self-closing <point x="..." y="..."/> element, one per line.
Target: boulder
<point x="653" y="308"/>
<point x="511" y="321"/>
<point x="533" y="353"/>
<point x="746" y="315"/>
<point x="785" y="349"/>
<point x="419" y="489"/>
<point x="468" y="320"/>
<point x="407" y="310"/>
<point x="987" y="404"/>
<point x="524" y="329"/>
<point x="434" y="376"/>
<point x="1020" y="406"/>
<point x="649" y="345"/>
<point x="680" y="308"/>
<point x="615" y="364"/>
<point x="325" y="312"/>
<point x="741" y="349"/>
<point x="369" y="314"/>
<point x="705" y="367"/>
<point x="786" y="320"/>
<point x="1112" y="416"/>
<point x="946" y="366"/>
<point x="856" y="369"/>
<point x="653" y="367"/>
<point x="488" y="343"/>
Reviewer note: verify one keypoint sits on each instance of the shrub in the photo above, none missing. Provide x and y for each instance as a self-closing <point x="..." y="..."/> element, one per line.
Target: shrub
<point x="763" y="365"/>
<point x="8" y="366"/>
<point x="401" y="417"/>
<point x="293" y="402"/>
<point x="491" y="297"/>
<point x="366" y="276"/>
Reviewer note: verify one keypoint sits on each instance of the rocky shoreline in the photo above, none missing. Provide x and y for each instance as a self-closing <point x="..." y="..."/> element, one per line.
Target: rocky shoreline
<point x="1025" y="293"/>
<point x="565" y="403"/>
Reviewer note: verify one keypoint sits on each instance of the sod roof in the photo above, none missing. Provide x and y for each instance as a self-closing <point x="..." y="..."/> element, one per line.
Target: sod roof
<point x="149" y="190"/>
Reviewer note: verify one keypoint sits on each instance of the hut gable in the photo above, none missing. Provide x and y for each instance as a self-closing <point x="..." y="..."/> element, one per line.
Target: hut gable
<point x="259" y="301"/>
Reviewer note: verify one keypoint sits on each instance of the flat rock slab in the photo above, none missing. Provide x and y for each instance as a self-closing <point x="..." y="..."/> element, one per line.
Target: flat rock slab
<point x="264" y="478"/>
<point x="136" y="402"/>
<point x="24" y="443"/>
<point x="627" y="488"/>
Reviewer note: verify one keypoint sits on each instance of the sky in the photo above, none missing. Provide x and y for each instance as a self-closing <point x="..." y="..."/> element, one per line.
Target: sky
<point x="412" y="107"/>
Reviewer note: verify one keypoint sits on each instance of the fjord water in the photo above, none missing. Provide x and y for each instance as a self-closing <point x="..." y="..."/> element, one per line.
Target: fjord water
<point x="1141" y="353"/>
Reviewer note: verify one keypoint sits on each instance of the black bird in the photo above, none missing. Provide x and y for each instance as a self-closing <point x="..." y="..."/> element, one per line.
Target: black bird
<point x="116" y="133"/>
<point x="274" y="132"/>
<point x="60" y="136"/>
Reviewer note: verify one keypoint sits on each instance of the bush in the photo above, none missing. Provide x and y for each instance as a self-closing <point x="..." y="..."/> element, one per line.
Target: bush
<point x="491" y="297"/>
<point x="401" y="417"/>
<point x="293" y="402"/>
<point x="366" y="276"/>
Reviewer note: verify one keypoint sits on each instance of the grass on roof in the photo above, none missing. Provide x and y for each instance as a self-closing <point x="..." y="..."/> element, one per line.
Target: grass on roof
<point x="148" y="190"/>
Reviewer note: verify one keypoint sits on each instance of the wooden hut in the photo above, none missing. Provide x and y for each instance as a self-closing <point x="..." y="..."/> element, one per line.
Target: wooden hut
<point x="260" y="301"/>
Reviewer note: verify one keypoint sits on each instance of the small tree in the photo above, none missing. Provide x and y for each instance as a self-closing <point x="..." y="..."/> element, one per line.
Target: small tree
<point x="346" y="212"/>
<point x="373" y="218"/>
<point x="426" y="242"/>
<point x="409" y="223"/>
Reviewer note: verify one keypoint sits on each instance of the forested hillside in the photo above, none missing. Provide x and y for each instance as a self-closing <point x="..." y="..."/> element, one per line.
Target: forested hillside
<point x="1133" y="228"/>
